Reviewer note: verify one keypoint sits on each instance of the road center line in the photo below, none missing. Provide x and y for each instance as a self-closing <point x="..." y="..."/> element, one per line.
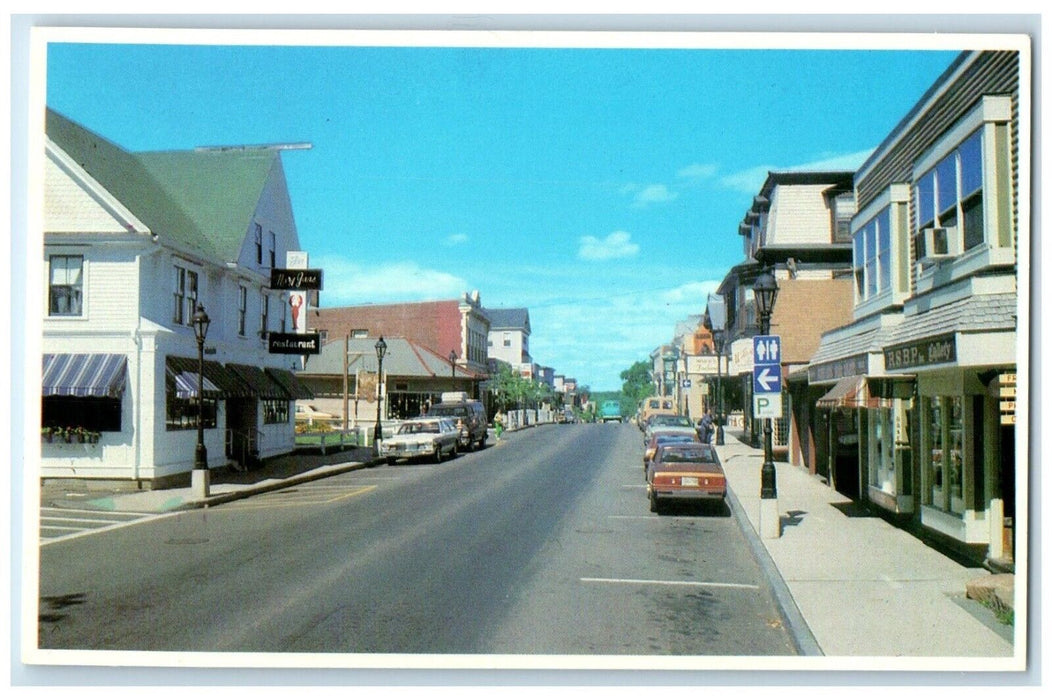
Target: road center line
<point x="647" y="582"/>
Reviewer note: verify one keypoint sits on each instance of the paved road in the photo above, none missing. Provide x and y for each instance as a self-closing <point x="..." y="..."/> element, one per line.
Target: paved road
<point x="543" y="544"/>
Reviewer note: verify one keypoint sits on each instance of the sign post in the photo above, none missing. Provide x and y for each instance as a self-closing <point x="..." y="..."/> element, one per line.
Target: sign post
<point x="767" y="404"/>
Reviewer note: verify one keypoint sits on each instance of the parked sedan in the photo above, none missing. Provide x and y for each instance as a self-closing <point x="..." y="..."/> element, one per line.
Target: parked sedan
<point x="685" y="472"/>
<point x="422" y="437"/>
<point x="658" y="439"/>
<point x="668" y="424"/>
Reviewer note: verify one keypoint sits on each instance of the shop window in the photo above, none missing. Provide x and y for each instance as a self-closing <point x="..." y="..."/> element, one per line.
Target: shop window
<point x="97" y="414"/>
<point x="275" y="411"/>
<point x="182" y="414"/>
<point x="945" y="438"/>
<point x="66" y="285"/>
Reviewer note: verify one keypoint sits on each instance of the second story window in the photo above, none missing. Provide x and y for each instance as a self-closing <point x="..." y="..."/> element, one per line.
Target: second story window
<point x="259" y="244"/>
<point x="507" y="340"/>
<point x="242" y="308"/>
<point x="184" y="295"/>
<point x="264" y="313"/>
<point x="66" y="285"/>
<point x="950" y="202"/>
<point x="272" y="250"/>
<point x="872" y="256"/>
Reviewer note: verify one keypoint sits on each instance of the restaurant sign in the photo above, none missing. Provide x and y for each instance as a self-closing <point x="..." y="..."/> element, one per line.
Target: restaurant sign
<point x="294" y="343"/>
<point x="931" y="351"/>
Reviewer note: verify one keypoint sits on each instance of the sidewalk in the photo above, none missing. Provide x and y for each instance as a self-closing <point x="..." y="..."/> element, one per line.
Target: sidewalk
<point x="863" y="586"/>
<point x="850" y="583"/>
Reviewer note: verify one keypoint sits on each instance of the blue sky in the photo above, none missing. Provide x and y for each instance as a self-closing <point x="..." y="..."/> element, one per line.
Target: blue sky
<point x="599" y="188"/>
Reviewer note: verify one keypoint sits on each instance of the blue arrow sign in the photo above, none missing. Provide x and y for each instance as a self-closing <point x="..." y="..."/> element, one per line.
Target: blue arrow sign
<point x="767" y="380"/>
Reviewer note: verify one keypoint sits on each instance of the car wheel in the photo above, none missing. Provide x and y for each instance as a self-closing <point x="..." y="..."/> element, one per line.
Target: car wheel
<point x="390" y="460"/>
<point x="653" y="503"/>
<point x="438" y="454"/>
<point x="482" y="441"/>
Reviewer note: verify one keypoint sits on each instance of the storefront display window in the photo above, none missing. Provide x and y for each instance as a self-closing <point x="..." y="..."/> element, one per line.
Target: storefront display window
<point x="881" y="455"/>
<point x="945" y="439"/>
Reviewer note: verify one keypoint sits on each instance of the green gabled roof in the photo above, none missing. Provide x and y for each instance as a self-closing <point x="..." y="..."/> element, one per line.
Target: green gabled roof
<point x="201" y="201"/>
<point x="217" y="191"/>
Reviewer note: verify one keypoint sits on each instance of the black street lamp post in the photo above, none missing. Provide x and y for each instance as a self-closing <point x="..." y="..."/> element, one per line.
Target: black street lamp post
<point x="453" y="366"/>
<point x="765" y="290"/>
<point x="200" y="322"/>
<point x="718" y="339"/>
<point x="378" y="431"/>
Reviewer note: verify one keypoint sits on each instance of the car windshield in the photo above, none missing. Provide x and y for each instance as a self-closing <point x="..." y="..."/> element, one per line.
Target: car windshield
<point x="666" y="439"/>
<point x="687" y="454"/>
<point x="449" y="411"/>
<point x="413" y="427"/>
<point x="674" y="421"/>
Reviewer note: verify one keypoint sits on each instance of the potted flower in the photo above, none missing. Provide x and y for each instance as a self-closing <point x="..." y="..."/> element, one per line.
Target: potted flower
<point x="93" y="437"/>
<point x="47" y="433"/>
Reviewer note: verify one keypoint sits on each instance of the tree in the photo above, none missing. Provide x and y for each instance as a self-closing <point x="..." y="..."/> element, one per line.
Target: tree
<point x="637" y="384"/>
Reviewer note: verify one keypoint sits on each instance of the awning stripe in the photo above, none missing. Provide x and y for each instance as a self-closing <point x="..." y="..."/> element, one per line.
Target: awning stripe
<point x="84" y="374"/>
<point x="186" y="385"/>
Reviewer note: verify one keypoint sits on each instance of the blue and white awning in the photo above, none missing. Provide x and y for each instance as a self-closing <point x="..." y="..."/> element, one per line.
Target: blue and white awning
<point x="94" y="374"/>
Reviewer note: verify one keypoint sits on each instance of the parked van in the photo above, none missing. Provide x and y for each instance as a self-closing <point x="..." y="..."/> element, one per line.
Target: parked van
<point x="654" y="406"/>
<point x="469" y="414"/>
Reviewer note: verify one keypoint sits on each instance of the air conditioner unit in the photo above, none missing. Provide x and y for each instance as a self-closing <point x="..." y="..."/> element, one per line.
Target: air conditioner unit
<point x="939" y="243"/>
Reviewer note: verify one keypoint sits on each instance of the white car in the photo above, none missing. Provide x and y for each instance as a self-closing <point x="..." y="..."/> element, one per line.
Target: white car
<point x="422" y="437"/>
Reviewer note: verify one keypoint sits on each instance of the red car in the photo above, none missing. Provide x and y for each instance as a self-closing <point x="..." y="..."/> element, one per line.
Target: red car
<point x="685" y="472"/>
<point x="659" y="439"/>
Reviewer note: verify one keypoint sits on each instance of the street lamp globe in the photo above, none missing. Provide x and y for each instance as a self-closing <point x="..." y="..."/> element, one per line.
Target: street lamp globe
<point x="765" y="291"/>
<point x="200" y="322"/>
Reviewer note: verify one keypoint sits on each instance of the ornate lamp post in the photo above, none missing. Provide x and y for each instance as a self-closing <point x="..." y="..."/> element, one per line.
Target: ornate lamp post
<point x="200" y="475"/>
<point x="765" y="290"/>
<point x="453" y="365"/>
<point x="378" y="431"/>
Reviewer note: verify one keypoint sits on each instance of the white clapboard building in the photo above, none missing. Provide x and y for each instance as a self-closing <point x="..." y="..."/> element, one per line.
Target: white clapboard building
<point x="133" y="242"/>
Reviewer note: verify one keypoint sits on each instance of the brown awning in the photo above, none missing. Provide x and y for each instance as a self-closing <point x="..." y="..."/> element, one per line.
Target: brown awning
<point x="263" y="385"/>
<point x="851" y="392"/>
<point x="290" y="382"/>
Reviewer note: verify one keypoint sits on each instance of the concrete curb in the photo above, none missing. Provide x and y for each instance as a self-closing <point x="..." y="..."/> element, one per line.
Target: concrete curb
<point x="276" y="485"/>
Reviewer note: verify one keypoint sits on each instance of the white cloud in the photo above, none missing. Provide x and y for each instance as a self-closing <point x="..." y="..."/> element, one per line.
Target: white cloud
<point x="456" y="239"/>
<point x="698" y="171"/>
<point x="348" y="282"/>
<point x="630" y="324"/>
<point x="653" y="194"/>
<point x="617" y="245"/>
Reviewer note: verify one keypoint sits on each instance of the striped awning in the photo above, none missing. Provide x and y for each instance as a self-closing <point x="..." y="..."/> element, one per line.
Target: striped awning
<point x="295" y="388"/>
<point x="852" y="392"/>
<point x="185" y="385"/>
<point x="89" y="374"/>
<point x="263" y="385"/>
<point x="220" y="382"/>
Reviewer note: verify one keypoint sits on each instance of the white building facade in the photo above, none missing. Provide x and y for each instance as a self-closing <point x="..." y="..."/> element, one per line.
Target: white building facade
<point x="132" y="244"/>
